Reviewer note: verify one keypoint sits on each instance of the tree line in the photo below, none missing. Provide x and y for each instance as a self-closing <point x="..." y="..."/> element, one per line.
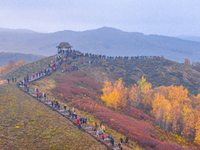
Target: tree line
<point x="172" y="108"/>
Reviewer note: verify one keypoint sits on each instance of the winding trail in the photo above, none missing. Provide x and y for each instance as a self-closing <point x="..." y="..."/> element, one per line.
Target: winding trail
<point x="65" y="113"/>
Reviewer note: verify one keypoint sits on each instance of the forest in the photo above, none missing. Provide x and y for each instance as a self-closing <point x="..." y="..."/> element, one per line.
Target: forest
<point x="172" y="108"/>
<point x="128" y="110"/>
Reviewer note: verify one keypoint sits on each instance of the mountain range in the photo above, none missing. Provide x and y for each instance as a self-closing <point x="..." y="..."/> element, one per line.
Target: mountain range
<point x="105" y="40"/>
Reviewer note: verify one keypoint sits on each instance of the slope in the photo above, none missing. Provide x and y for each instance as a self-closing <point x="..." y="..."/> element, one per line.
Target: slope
<point x="28" y="124"/>
<point x="160" y="71"/>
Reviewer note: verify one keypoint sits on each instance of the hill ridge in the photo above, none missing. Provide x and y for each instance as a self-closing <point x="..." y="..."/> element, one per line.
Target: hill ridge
<point x="104" y="40"/>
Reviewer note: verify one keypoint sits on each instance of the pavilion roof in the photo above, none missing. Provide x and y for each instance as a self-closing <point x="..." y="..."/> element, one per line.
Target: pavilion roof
<point x="64" y="45"/>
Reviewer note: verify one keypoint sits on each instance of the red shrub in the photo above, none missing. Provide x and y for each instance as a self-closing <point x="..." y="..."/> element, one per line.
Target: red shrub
<point x="74" y="87"/>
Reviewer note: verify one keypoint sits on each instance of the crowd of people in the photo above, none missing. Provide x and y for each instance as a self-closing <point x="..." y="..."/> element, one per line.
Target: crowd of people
<point x="76" y="54"/>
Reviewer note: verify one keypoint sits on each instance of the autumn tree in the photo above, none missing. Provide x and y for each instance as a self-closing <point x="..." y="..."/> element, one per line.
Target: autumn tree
<point x="158" y="107"/>
<point x="187" y="62"/>
<point x="134" y="95"/>
<point x="119" y="86"/>
<point x="20" y="63"/>
<point x="142" y="82"/>
<point x="114" y="95"/>
<point x="145" y="92"/>
<point x="113" y="99"/>
<point x="107" y="90"/>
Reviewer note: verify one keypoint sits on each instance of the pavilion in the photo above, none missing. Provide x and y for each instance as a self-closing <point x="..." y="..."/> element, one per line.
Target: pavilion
<point x="63" y="46"/>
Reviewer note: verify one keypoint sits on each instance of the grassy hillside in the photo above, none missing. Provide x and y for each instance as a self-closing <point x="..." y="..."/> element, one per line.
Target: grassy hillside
<point x="26" y="123"/>
<point x="29" y="68"/>
<point x="83" y="90"/>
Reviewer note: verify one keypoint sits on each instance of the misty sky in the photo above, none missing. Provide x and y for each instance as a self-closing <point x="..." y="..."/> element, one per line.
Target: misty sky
<point x="163" y="17"/>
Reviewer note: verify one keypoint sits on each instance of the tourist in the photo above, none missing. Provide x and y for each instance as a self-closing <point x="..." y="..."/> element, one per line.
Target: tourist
<point x="37" y="94"/>
<point x="121" y="139"/>
<point x="126" y="140"/>
<point x="112" y="141"/>
<point x="103" y="136"/>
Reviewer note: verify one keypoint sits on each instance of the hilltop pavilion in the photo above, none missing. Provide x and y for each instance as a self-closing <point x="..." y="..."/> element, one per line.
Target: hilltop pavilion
<point x="63" y="46"/>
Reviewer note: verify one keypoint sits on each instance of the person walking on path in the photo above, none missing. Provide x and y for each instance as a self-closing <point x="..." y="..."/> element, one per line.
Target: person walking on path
<point x="8" y="80"/>
<point x="97" y="133"/>
<point x="77" y="121"/>
<point x="112" y="141"/>
<point x="126" y="140"/>
<point x="96" y="126"/>
<point x="103" y="136"/>
<point x="79" y="126"/>
<point x="121" y="139"/>
<point x="119" y="145"/>
<point x="69" y="112"/>
<point x="37" y="94"/>
<point x="81" y="119"/>
<point x="47" y="96"/>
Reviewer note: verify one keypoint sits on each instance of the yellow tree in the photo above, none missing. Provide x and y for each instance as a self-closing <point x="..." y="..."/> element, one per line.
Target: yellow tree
<point x="119" y="86"/>
<point x="187" y="119"/>
<point x="197" y="133"/>
<point x="189" y="126"/>
<point x="179" y="99"/>
<point x="142" y="82"/>
<point x="113" y="99"/>
<point x="167" y="115"/>
<point x="158" y="105"/>
<point x="134" y="95"/>
<point x="107" y="90"/>
<point x="146" y="92"/>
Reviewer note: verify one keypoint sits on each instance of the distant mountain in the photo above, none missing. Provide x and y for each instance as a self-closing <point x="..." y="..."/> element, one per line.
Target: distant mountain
<point x="191" y="38"/>
<point x="5" y="57"/>
<point x="16" y="30"/>
<point x="108" y="41"/>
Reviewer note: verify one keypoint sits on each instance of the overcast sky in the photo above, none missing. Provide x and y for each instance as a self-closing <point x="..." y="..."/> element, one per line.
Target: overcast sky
<point x="163" y="17"/>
